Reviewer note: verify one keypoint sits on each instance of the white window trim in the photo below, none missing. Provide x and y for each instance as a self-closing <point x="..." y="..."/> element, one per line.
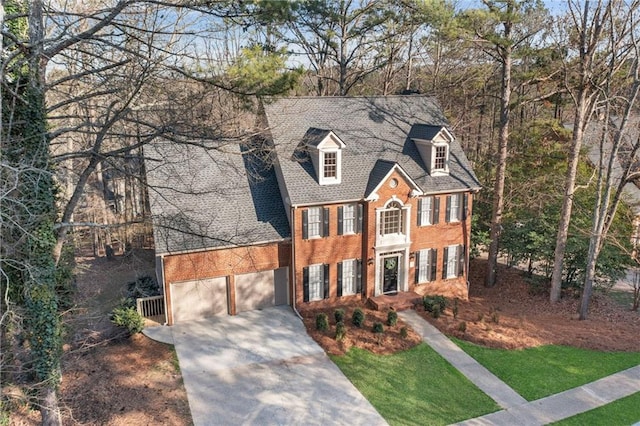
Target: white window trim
<point x="426" y="213"/>
<point x="349" y="287"/>
<point x="394" y="238"/>
<point x="441" y="171"/>
<point x="454" y="215"/>
<point x="453" y="258"/>
<point x="424" y="267"/>
<point x="353" y="208"/>
<point x="316" y="282"/>
<point x="311" y="235"/>
<point x="330" y="180"/>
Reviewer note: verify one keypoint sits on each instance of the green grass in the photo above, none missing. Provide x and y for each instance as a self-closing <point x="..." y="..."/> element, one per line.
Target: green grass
<point x="416" y="386"/>
<point x="621" y="412"/>
<point x="542" y="371"/>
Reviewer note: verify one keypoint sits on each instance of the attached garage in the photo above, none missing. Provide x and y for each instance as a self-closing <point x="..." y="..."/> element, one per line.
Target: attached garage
<point x="191" y="300"/>
<point x="259" y="290"/>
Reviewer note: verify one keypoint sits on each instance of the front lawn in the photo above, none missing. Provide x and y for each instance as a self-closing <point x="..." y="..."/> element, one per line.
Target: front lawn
<point x="546" y="370"/>
<point x="621" y="412"/>
<point x="416" y="386"/>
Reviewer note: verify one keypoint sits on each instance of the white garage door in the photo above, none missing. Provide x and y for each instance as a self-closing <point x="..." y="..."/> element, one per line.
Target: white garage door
<point x="259" y="290"/>
<point x="198" y="299"/>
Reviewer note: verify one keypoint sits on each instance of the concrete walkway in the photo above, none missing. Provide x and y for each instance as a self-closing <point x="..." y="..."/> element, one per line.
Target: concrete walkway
<point x="262" y="368"/>
<point x="516" y="409"/>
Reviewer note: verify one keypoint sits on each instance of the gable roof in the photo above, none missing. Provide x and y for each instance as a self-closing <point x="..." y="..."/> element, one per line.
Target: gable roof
<point x="372" y="128"/>
<point x="211" y="196"/>
<point x="381" y="172"/>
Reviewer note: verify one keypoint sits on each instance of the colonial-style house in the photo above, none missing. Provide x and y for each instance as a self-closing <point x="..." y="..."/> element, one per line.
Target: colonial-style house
<point x="348" y="198"/>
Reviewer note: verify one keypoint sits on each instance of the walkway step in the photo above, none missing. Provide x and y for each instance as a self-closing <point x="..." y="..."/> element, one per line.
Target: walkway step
<point x="566" y="404"/>
<point x="502" y="394"/>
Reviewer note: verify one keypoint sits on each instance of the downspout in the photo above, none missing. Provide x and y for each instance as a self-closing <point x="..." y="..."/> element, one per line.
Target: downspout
<point x="293" y="261"/>
<point x="164" y="291"/>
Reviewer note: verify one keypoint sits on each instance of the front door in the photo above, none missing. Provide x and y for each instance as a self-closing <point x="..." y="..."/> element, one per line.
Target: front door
<point x="390" y="275"/>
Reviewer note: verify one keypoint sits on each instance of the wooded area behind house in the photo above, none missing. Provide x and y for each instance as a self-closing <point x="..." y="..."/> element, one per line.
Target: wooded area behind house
<point x="527" y="93"/>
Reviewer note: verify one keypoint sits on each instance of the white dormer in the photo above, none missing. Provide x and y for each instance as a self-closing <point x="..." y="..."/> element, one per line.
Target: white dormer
<point x="433" y="144"/>
<point x="325" y="150"/>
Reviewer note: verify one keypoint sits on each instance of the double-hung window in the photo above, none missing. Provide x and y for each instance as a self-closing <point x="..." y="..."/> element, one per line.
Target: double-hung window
<point x="440" y="157"/>
<point x="315" y="282"/>
<point x="456" y="207"/>
<point x="315" y="222"/>
<point x="428" y="210"/>
<point x="330" y="165"/>
<point x="453" y="261"/>
<point x="426" y="265"/>
<point x="350" y="219"/>
<point x="349" y="277"/>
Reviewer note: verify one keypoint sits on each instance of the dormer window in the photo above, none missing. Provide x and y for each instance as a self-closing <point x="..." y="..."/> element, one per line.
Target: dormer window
<point x="330" y="165"/>
<point x="325" y="150"/>
<point x="440" y="157"/>
<point x="433" y="144"/>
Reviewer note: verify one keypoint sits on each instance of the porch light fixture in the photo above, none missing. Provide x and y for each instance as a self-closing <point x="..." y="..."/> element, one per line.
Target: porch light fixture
<point x="370" y="261"/>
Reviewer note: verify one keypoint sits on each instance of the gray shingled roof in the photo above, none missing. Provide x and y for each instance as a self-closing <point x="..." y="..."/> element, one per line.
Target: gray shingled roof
<point x="373" y="128"/>
<point x="206" y="198"/>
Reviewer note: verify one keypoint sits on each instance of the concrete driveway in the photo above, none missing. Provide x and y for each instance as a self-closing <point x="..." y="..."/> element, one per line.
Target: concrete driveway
<point x="261" y="367"/>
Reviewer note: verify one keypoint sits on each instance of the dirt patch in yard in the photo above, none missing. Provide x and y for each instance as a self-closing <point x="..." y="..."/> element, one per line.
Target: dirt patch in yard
<point x="390" y="341"/>
<point x="510" y="316"/>
<point x="109" y="379"/>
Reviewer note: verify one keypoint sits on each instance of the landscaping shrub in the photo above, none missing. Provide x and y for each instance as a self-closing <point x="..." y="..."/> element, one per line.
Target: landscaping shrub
<point x="462" y="326"/>
<point x="378" y="328"/>
<point x="322" y="322"/>
<point x="430" y="302"/>
<point x="341" y="331"/>
<point x="339" y="315"/>
<point x="435" y="311"/>
<point x="454" y="310"/>
<point x="392" y="318"/>
<point x="358" y="317"/>
<point x="127" y="317"/>
<point x="404" y="333"/>
<point x="145" y="286"/>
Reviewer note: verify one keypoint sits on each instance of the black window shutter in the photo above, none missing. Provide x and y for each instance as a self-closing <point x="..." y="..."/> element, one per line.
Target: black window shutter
<point x="417" y="271"/>
<point x="420" y="209"/>
<point x="445" y="255"/>
<point x="447" y="218"/>
<point x="360" y="212"/>
<point x="465" y="206"/>
<point x="340" y="219"/>
<point x="305" y="224"/>
<point x="435" y="211"/>
<point x="305" y="284"/>
<point x="434" y="264"/>
<point x="339" y="279"/>
<point x="326" y="280"/>
<point x="325" y="220"/>
<point x="461" y="261"/>
<point x="359" y="276"/>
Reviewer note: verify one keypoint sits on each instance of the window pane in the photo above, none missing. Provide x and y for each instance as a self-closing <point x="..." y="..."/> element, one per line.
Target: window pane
<point x="424" y="266"/>
<point x="391" y="219"/>
<point x="314" y="222"/>
<point x="455" y="208"/>
<point x="441" y="157"/>
<point x="316" y="282"/>
<point x="425" y="214"/>
<point x="452" y="262"/>
<point x="349" y="219"/>
<point x="330" y="164"/>
<point x="349" y="277"/>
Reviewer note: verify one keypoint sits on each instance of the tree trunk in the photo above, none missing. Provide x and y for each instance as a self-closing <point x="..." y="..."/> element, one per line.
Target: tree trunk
<point x="50" y="410"/>
<point x="567" y="202"/>
<point x="498" y="189"/>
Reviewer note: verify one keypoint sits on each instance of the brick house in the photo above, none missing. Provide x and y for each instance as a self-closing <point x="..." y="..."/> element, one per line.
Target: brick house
<point x="356" y="198"/>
